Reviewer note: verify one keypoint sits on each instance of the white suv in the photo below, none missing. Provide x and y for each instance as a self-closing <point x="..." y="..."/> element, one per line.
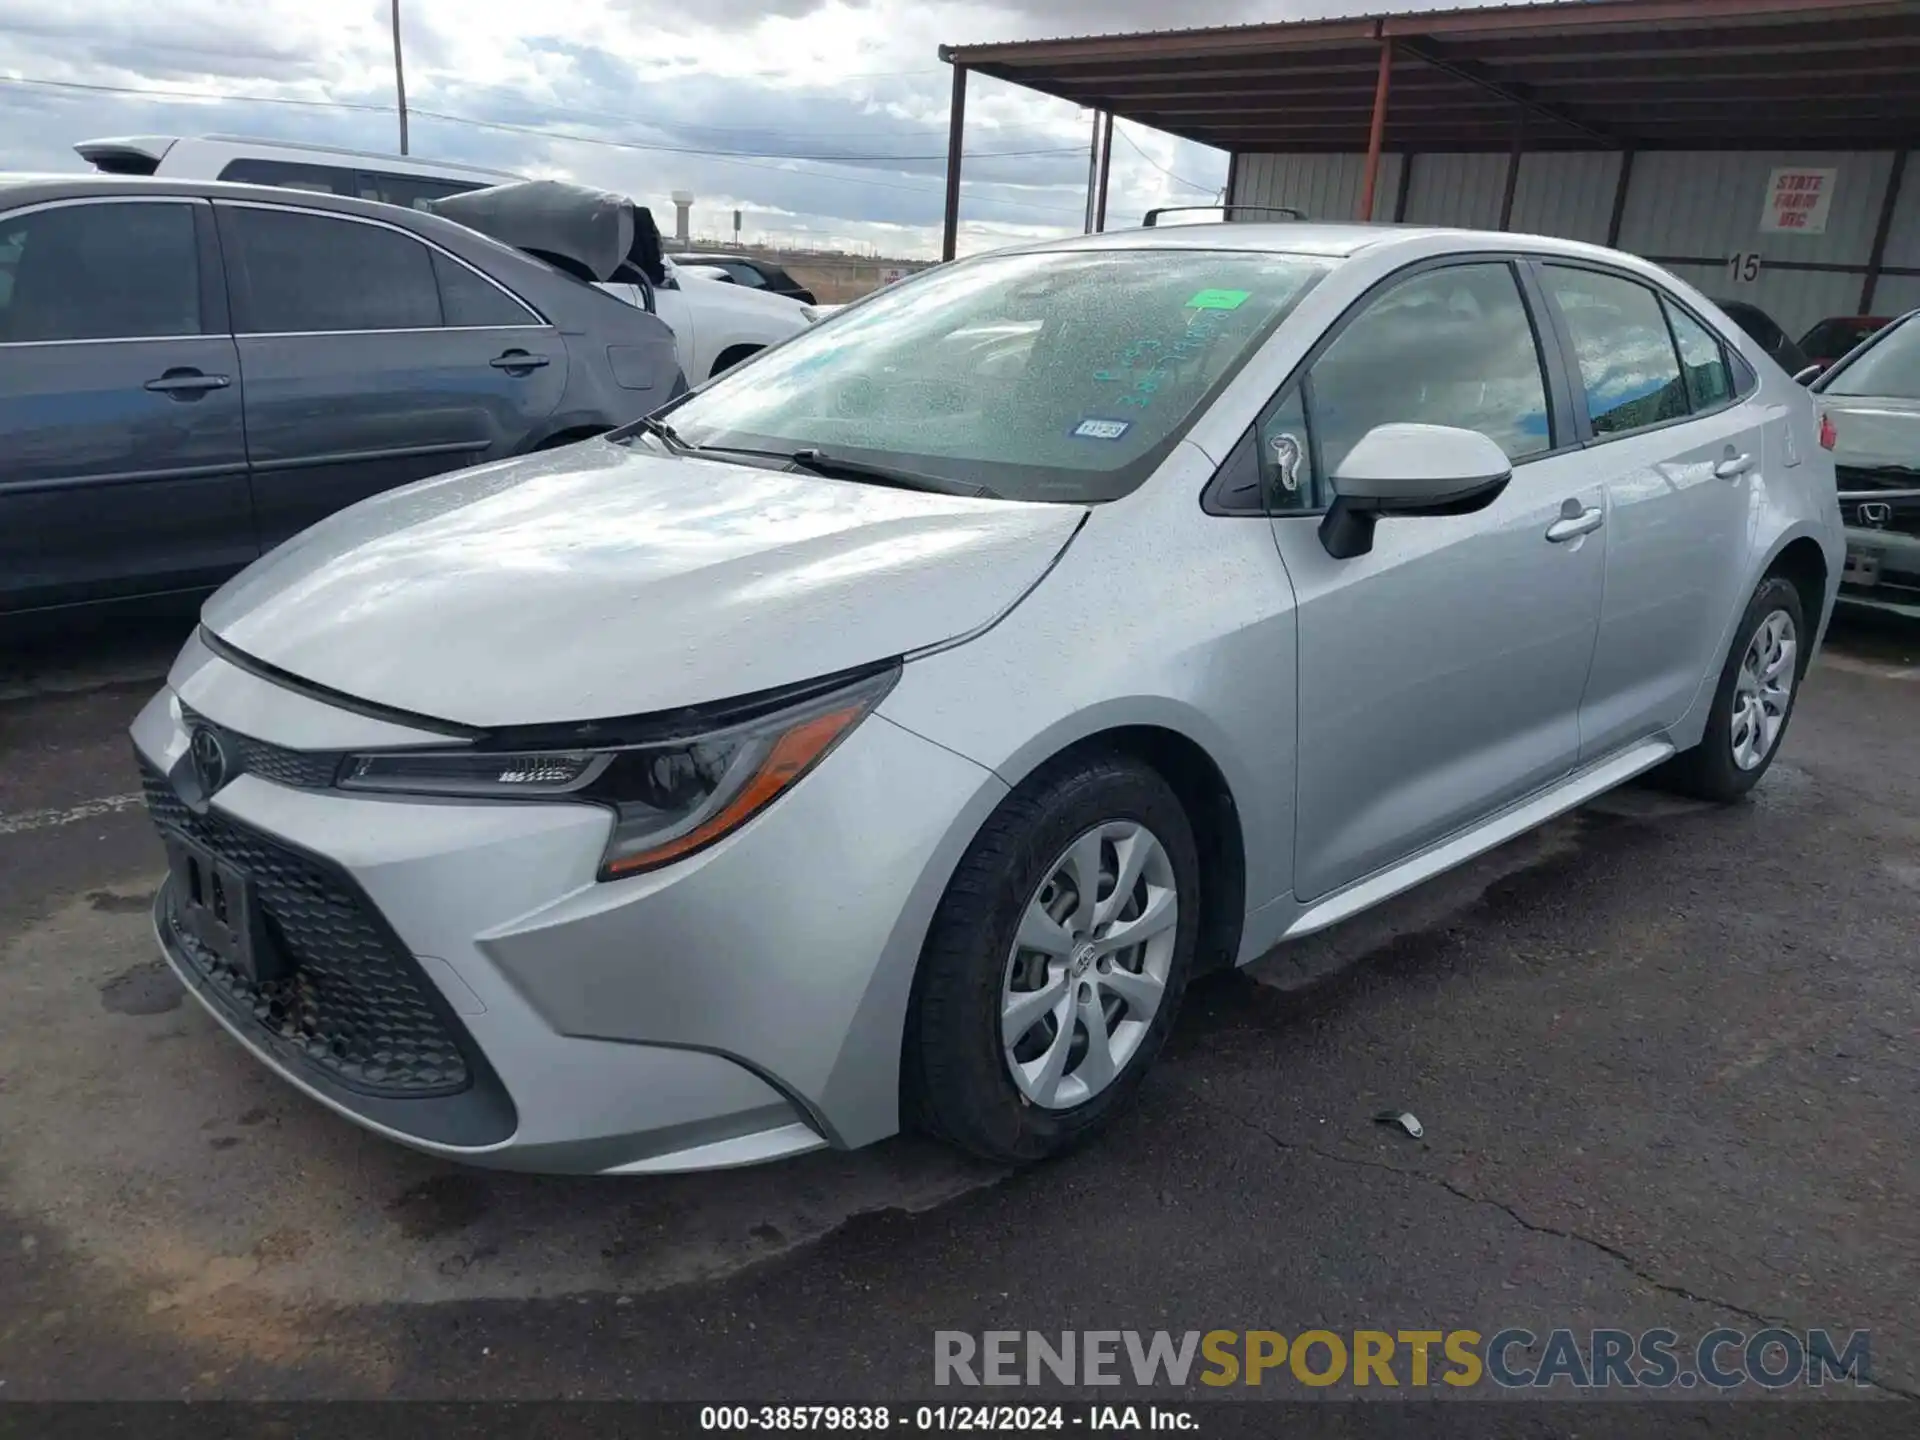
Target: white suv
<point x="715" y="325"/>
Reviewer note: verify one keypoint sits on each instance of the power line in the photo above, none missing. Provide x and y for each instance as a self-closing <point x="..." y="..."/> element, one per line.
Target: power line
<point x="847" y="157"/>
<point x="193" y="94"/>
<point x="1205" y="189"/>
<point x="658" y="124"/>
<point x="743" y="158"/>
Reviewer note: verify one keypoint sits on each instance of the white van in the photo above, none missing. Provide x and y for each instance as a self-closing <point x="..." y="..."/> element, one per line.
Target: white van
<point x="715" y="324"/>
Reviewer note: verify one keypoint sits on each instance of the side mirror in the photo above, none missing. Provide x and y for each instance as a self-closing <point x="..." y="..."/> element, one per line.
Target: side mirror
<point x="1410" y="470"/>
<point x="1808" y="375"/>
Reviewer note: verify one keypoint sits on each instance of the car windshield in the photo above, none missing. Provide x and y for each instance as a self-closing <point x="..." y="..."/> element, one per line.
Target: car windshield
<point x="1890" y="366"/>
<point x="1056" y="376"/>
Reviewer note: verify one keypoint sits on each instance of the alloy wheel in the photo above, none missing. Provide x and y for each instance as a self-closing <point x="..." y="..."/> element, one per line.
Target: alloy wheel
<point x="1763" y="691"/>
<point x="1088" y="969"/>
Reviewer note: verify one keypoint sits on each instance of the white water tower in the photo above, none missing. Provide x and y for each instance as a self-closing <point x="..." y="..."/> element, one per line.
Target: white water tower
<point x="682" y="215"/>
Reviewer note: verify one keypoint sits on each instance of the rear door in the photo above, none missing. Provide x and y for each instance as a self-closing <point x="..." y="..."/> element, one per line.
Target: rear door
<point x="1680" y="453"/>
<point x="122" y="455"/>
<point x="372" y="359"/>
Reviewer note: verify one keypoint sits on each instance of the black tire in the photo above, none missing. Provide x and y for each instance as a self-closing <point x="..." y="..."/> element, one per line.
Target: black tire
<point x="1708" y="771"/>
<point x="956" y="1078"/>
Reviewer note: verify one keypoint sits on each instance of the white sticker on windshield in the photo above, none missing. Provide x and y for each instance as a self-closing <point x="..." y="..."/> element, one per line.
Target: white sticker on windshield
<point x="1101" y="429"/>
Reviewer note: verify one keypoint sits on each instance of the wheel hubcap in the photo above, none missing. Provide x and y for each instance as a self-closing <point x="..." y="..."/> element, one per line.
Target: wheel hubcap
<point x="1088" y="970"/>
<point x="1763" y="693"/>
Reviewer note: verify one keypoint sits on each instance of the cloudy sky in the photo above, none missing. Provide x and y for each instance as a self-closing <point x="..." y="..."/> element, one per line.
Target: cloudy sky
<point x="751" y="79"/>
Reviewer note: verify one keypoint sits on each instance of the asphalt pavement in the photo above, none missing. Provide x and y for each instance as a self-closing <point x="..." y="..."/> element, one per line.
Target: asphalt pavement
<point x="1664" y="1055"/>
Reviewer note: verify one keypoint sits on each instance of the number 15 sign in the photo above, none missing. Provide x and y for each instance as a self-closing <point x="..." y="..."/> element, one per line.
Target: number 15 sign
<point x="1798" y="200"/>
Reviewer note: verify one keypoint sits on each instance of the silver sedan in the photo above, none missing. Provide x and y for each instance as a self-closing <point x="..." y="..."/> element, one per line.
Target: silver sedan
<point x="887" y="733"/>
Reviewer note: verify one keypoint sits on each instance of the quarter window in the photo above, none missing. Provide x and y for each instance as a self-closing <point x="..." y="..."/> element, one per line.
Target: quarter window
<point x="1288" y="478"/>
<point x="467" y="298"/>
<point x="1627" y="363"/>
<point x="1453" y="346"/>
<point x="1709" y="382"/>
<point x="99" y="272"/>
<point x="294" y="272"/>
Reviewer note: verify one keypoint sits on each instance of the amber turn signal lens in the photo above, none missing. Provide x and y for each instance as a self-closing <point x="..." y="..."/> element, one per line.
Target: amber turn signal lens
<point x="791" y="756"/>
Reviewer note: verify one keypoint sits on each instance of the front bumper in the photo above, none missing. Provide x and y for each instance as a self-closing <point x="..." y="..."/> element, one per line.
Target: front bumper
<point x="503" y="1007"/>
<point x="1882" y="572"/>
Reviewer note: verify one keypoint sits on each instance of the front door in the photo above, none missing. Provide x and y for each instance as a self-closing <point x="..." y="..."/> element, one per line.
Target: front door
<point x="122" y="456"/>
<point x="1440" y="675"/>
<point x="372" y="360"/>
<point x="1680" y="454"/>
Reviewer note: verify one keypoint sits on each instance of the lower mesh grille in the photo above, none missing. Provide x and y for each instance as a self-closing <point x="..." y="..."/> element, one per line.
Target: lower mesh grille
<point x="353" y="1004"/>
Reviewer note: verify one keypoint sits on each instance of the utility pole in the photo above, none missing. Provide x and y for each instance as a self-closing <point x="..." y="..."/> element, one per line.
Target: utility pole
<point x="399" y="77"/>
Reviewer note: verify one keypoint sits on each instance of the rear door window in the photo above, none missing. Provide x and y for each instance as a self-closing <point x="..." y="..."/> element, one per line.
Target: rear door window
<point x="99" y="272"/>
<point x="1626" y="356"/>
<point x="297" y="272"/>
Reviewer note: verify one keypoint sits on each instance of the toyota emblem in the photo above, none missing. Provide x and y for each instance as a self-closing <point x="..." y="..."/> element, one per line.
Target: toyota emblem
<point x="209" y="760"/>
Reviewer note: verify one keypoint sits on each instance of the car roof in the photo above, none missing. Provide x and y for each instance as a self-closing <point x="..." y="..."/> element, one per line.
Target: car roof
<point x="1330" y="240"/>
<point x="155" y="148"/>
<point x="26" y="189"/>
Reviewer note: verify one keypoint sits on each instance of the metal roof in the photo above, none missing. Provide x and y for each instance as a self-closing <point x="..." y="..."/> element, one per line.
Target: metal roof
<point x="1640" y="74"/>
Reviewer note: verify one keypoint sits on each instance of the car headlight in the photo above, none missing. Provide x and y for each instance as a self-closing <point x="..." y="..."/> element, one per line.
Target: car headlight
<point x="670" y="796"/>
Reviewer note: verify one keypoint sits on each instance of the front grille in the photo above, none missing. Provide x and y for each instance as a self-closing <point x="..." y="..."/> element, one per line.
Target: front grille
<point x="302" y="769"/>
<point x="353" y="1005"/>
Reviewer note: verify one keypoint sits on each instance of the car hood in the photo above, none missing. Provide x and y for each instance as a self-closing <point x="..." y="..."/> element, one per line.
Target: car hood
<point x="599" y="580"/>
<point x="1874" y="431"/>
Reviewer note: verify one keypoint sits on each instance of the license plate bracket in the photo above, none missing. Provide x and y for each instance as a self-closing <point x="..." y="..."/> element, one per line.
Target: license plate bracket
<point x="1862" y="568"/>
<point x="216" y="904"/>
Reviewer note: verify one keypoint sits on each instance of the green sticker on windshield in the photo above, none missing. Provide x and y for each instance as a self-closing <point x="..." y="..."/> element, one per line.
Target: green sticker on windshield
<point x="1218" y="300"/>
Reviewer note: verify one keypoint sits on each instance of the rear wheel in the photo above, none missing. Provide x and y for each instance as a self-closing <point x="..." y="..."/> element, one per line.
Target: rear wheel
<point x="1056" y="961"/>
<point x="1754" y="700"/>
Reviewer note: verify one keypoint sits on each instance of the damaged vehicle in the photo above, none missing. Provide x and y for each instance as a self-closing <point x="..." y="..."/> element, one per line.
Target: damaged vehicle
<point x="1870" y="402"/>
<point x="884" y="734"/>
<point x="191" y="372"/>
<point x="716" y="324"/>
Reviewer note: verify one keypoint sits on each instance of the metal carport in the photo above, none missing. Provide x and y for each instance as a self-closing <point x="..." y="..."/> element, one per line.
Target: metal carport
<point x="1654" y="125"/>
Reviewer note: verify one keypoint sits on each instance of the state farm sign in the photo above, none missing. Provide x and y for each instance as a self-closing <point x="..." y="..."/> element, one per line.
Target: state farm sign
<point x="1798" y="200"/>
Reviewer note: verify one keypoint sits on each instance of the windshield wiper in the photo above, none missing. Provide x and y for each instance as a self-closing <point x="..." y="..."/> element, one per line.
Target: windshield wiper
<point x="839" y="467"/>
<point x="820" y="463"/>
<point x="660" y="428"/>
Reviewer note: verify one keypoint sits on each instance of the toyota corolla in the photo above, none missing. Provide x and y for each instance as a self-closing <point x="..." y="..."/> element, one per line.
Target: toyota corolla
<point x="887" y="732"/>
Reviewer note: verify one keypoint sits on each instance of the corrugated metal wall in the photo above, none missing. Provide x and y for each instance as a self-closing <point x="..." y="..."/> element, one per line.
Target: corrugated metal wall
<point x="1327" y="187"/>
<point x="1709" y="203"/>
<point x="1682" y="206"/>
<point x="1457" y="190"/>
<point x="1570" y="195"/>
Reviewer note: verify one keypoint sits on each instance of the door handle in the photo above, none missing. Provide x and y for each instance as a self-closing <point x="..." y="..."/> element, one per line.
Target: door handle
<point x="517" y="360"/>
<point x="1733" y="467"/>
<point x="187" y="382"/>
<point x="1572" y="527"/>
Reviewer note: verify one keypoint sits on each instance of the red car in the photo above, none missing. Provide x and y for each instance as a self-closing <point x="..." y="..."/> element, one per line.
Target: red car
<point x="1837" y="334"/>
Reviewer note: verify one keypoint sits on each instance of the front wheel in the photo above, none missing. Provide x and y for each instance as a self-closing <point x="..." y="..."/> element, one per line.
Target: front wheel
<point x="1754" y="701"/>
<point x="1056" y="960"/>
